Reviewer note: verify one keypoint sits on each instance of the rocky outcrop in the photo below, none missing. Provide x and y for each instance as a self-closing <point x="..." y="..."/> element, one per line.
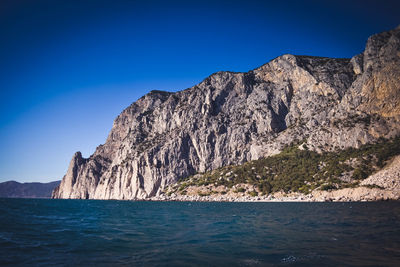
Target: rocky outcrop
<point x="230" y="118"/>
<point x="355" y="194"/>
<point x="387" y="178"/>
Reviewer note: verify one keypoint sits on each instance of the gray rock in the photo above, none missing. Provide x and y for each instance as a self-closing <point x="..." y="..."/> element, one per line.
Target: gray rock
<point x="230" y="118"/>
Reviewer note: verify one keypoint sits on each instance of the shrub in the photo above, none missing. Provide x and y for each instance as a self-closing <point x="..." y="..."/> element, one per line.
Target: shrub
<point x="241" y="190"/>
<point x="253" y="193"/>
<point x="329" y="186"/>
<point x="359" y="174"/>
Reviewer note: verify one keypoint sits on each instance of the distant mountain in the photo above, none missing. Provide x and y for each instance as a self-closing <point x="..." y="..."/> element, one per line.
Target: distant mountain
<point x="27" y="190"/>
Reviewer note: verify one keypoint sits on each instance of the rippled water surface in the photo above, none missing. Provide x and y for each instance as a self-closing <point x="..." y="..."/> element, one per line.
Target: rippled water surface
<point x="36" y="232"/>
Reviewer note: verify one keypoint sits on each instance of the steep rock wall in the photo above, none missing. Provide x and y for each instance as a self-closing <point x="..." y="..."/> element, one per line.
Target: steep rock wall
<point x="230" y="118"/>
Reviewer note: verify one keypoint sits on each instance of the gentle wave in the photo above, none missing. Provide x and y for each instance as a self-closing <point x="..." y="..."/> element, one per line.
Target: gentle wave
<point x="120" y="233"/>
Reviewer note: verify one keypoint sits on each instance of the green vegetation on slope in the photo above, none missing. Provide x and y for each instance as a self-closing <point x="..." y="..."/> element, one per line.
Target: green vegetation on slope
<point x="301" y="170"/>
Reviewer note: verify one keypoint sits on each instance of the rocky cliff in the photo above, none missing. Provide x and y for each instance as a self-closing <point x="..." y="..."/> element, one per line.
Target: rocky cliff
<point x="231" y="118"/>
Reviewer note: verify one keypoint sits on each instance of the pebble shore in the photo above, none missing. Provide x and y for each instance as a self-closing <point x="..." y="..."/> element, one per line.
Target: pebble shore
<point x="342" y="195"/>
<point x="221" y="198"/>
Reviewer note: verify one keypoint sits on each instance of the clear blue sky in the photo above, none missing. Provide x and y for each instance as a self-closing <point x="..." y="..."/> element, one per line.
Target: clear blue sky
<point x="68" y="68"/>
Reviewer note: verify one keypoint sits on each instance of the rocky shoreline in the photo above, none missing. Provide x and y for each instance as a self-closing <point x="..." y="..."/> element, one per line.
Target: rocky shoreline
<point x="222" y="198"/>
<point x="342" y="195"/>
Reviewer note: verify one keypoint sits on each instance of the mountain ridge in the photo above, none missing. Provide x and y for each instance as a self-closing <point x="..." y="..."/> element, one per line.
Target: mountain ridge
<point x="14" y="189"/>
<point x="234" y="117"/>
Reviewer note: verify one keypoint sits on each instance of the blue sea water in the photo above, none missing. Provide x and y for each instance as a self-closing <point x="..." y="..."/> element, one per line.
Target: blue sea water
<point x="40" y="232"/>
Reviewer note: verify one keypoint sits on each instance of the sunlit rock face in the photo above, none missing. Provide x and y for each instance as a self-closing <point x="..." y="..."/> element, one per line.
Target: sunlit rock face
<point x="230" y="118"/>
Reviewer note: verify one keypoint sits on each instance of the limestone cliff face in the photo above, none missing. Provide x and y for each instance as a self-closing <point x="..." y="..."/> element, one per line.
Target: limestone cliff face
<point x="230" y="118"/>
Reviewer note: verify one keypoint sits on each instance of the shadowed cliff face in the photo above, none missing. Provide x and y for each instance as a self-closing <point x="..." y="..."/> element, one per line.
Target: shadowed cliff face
<point x="230" y="118"/>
